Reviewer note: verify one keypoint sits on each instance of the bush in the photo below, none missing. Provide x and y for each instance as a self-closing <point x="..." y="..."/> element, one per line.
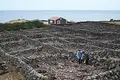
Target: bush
<point x="22" y="25"/>
<point x="111" y="20"/>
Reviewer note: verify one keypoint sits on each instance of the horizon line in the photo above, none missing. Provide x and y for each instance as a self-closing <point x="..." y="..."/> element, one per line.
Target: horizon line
<point x="60" y="10"/>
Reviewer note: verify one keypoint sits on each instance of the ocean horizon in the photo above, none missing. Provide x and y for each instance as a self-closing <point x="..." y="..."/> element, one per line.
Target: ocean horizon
<point x="70" y="15"/>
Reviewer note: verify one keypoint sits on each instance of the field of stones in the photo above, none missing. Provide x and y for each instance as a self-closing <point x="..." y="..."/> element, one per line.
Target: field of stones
<point x="50" y="50"/>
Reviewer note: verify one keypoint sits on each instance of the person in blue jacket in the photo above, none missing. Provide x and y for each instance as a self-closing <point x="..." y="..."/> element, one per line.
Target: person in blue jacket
<point x="79" y="55"/>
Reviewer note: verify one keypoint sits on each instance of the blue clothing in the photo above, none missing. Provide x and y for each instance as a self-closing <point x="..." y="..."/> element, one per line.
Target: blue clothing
<point x="79" y="54"/>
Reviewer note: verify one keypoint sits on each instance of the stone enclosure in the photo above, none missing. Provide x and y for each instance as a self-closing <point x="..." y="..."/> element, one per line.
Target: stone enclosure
<point x="48" y="53"/>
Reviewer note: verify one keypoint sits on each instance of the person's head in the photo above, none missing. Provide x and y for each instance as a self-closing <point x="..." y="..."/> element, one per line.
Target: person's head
<point x="83" y="49"/>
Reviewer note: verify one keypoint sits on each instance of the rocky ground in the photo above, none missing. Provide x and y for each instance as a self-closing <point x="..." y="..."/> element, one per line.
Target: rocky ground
<point x="50" y="50"/>
<point x="3" y="67"/>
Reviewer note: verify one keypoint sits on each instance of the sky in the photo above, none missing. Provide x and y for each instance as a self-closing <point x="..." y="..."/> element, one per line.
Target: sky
<point x="59" y="4"/>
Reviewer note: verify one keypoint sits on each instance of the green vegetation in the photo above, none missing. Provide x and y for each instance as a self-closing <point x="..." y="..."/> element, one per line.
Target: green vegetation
<point x="112" y="20"/>
<point x="22" y="25"/>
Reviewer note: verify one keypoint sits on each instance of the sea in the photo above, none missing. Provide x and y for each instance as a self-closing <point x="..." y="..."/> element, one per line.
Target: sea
<point x="70" y="15"/>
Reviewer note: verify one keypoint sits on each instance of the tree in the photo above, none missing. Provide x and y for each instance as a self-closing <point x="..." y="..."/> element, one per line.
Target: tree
<point x="111" y="20"/>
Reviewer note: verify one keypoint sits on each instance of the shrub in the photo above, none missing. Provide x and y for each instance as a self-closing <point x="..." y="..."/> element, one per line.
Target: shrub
<point x="22" y="25"/>
<point x="111" y="20"/>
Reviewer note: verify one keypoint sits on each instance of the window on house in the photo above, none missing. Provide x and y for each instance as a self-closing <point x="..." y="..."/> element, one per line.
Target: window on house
<point x="58" y="22"/>
<point x="51" y="22"/>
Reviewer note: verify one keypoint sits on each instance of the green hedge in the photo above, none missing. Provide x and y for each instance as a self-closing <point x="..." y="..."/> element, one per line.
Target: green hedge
<point x="22" y="25"/>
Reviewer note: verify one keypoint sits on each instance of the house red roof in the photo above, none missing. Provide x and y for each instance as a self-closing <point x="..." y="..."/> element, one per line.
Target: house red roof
<point x="54" y="18"/>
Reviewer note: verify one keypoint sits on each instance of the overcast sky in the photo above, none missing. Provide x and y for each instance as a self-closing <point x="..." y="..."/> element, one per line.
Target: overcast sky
<point x="59" y="4"/>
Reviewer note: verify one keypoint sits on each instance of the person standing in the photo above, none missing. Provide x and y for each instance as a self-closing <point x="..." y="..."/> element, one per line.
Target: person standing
<point x="79" y="55"/>
<point x="86" y="55"/>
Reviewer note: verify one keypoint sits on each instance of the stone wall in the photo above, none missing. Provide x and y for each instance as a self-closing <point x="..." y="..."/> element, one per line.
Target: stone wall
<point x="28" y="72"/>
<point x="3" y="67"/>
<point x="113" y="74"/>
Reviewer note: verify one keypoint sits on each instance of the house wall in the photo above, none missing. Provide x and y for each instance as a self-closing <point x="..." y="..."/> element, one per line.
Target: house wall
<point x="63" y="21"/>
<point x="58" y="22"/>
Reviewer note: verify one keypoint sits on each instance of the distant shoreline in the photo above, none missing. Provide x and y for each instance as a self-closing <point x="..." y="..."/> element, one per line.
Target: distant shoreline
<point x="117" y="22"/>
<point x="75" y="15"/>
